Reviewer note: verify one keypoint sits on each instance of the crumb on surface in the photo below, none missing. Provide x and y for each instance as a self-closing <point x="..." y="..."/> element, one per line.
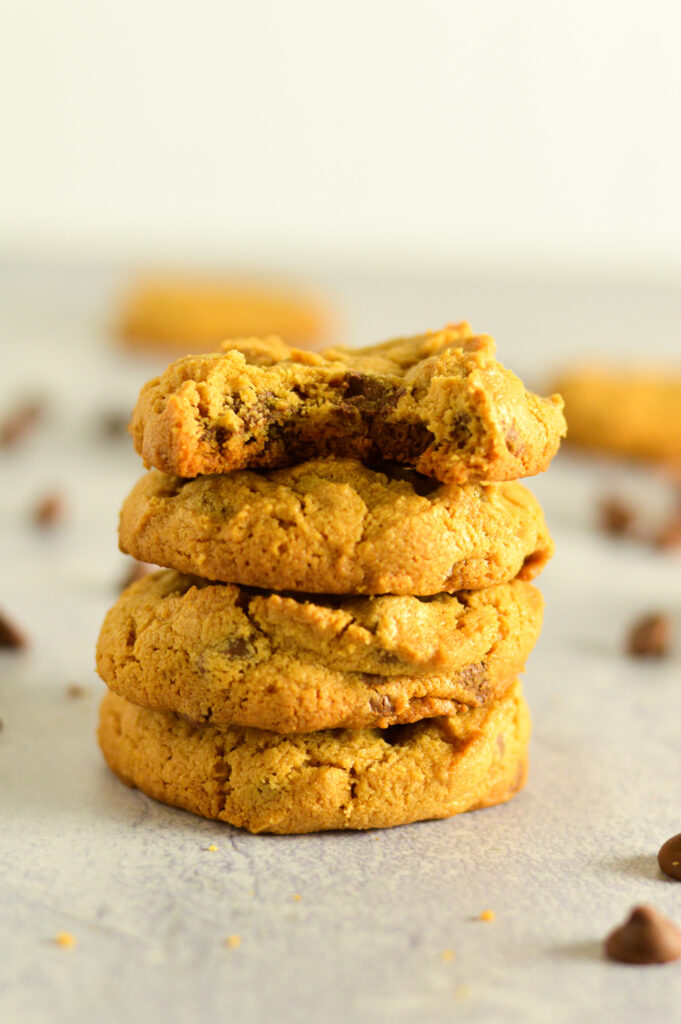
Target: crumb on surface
<point x="447" y="955"/>
<point x="65" y="939"/>
<point x="487" y="915"/>
<point x="75" y="690"/>
<point x="233" y="941"/>
<point x="212" y="848"/>
<point x="297" y="897"/>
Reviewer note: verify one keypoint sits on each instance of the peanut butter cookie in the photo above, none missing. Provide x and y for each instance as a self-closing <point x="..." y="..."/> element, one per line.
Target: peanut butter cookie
<point x="635" y="413"/>
<point x="368" y="778"/>
<point x="337" y="527"/>
<point x="227" y="655"/>
<point x="439" y="402"/>
<point x="196" y="314"/>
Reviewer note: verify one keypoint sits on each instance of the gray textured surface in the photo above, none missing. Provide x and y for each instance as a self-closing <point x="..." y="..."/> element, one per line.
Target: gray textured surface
<point x="150" y="906"/>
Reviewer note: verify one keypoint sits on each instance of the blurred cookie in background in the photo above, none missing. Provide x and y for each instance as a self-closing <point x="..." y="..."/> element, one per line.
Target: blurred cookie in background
<point x="635" y="413"/>
<point x="192" y="313"/>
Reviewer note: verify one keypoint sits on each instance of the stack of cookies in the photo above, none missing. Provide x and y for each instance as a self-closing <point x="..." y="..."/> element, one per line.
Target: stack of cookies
<point x="336" y="639"/>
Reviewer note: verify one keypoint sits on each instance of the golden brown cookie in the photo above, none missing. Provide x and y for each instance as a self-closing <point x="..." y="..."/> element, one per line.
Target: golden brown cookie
<point x="635" y="413"/>
<point x="196" y="314"/>
<point x="336" y="527"/>
<point x="439" y="402"/>
<point x="223" y="654"/>
<point x="368" y="778"/>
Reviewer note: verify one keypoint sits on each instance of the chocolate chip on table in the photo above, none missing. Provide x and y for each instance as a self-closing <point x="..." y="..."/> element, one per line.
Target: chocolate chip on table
<point x="650" y="636"/>
<point x="646" y="937"/>
<point x="615" y="516"/>
<point x="10" y="637"/>
<point x="48" y="511"/>
<point x="20" y="421"/>
<point x="669" y="534"/>
<point x="669" y="857"/>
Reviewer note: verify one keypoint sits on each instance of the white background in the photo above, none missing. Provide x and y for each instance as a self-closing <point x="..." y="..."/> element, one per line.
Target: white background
<point x="377" y="130"/>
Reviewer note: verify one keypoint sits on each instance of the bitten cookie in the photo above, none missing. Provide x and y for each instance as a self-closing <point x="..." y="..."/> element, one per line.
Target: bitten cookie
<point x="633" y="413"/>
<point x="196" y="314"/>
<point x="368" y="778"/>
<point x="222" y="654"/>
<point x="439" y="402"/>
<point x="337" y="527"/>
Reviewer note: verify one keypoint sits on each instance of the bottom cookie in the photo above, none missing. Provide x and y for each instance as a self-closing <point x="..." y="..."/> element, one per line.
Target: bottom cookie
<point x="337" y="779"/>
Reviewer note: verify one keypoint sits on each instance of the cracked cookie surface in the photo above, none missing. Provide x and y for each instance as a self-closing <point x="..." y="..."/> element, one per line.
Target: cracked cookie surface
<point x="339" y="779"/>
<point x="439" y="402"/>
<point x="337" y="527"/>
<point x="224" y="654"/>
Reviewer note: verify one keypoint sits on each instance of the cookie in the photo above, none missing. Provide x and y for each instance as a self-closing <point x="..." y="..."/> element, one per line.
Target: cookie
<point x="368" y="778"/>
<point x="439" y="402"/>
<point x="194" y="314"/>
<point x="337" y="527"/>
<point x="633" y="413"/>
<point x="222" y="654"/>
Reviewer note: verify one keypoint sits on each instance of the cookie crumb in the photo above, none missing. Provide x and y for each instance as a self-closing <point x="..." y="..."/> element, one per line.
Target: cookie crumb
<point x="650" y="636"/>
<point x="615" y="516"/>
<point x="297" y="897"/>
<point x="233" y="941"/>
<point x="487" y="915"/>
<point x="48" y="511"/>
<point x="19" y="422"/>
<point x="75" y="691"/>
<point x="10" y="636"/>
<point x="447" y="955"/>
<point x="646" y="937"/>
<point x="65" y="939"/>
<point x="212" y="848"/>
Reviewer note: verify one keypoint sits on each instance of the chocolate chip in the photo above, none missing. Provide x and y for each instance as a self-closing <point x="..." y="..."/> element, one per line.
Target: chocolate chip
<point x="48" y="511"/>
<point x="647" y="937"/>
<point x="19" y="422"/>
<point x="10" y="636"/>
<point x="381" y="704"/>
<point x="615" y="516"/>
<point x="669" y="857"/>
<point x="650" y="637"/>
<point x="669" y="534"/>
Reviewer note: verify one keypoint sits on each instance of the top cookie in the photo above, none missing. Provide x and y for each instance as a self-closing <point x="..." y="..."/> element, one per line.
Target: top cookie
<point x="439" y="402"/>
